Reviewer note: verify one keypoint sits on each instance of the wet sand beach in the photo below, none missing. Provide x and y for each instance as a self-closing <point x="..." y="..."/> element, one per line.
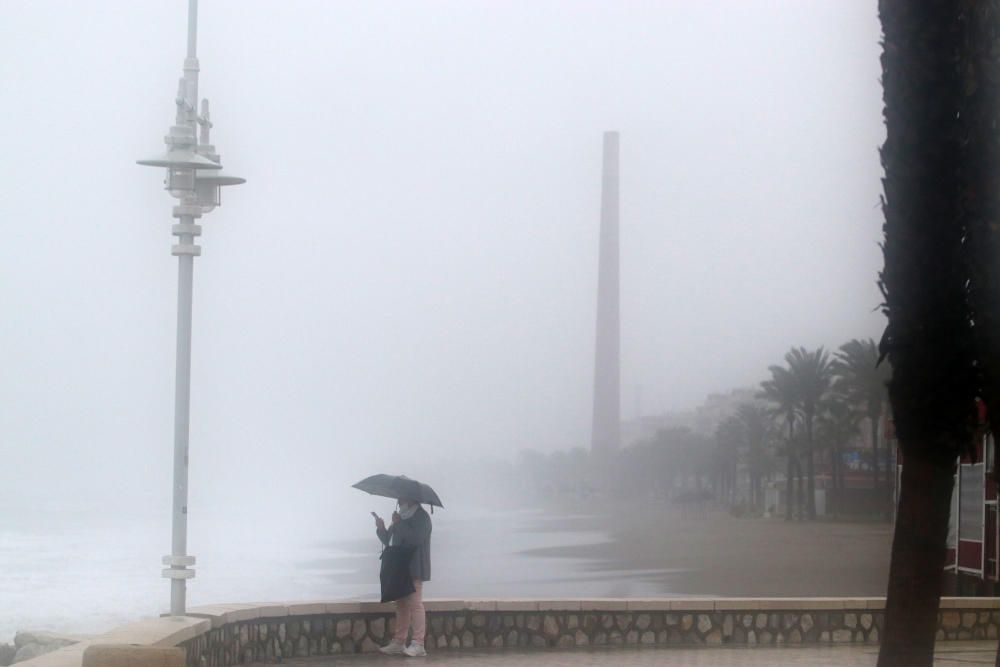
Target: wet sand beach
<point x="635" y="551"/>
<point x="692" y="552"/>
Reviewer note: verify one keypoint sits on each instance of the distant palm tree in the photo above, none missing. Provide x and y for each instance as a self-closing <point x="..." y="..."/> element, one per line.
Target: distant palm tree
<point x="836" y="425"/>
<point x="728" y="438"/>
<point x="863" y="382"/>
<point x="781" y="391"/>
<point x="812" y="379"/>
<point x="756" y="425"/>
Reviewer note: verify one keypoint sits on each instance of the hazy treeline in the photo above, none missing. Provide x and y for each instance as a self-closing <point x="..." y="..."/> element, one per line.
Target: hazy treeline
<point x="809" y="412"/>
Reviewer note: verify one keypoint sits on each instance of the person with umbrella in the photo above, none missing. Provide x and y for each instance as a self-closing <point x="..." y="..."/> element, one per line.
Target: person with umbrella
<point x="410" y="528"/>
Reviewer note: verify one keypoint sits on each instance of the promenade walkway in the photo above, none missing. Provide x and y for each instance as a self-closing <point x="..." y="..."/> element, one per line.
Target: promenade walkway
<point x="950" y="654"/>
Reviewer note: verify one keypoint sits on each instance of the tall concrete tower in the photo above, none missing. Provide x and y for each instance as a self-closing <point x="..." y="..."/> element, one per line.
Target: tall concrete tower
<point x="606" y="429"/>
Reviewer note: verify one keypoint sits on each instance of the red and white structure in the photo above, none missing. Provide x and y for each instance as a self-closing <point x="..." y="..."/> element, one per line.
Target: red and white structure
<point x="974" y="527"/>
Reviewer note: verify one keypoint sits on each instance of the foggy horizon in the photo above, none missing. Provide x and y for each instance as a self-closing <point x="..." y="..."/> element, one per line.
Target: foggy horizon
<point x="409" y="273"/>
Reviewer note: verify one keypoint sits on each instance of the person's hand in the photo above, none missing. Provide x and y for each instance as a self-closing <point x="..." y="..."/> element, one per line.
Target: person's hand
<point x="379" y="523"/>
<point x="396" y="518"/>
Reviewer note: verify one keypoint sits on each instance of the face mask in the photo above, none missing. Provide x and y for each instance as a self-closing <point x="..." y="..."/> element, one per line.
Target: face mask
<point x="406" y="510"/>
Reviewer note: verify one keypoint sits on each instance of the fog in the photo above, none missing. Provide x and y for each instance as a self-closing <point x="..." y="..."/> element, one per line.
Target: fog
<point x="409" y="274"/>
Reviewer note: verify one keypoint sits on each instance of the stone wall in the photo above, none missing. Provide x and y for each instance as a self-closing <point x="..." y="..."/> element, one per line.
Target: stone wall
<point x="454" y="625"/>
<point x="224" y="635"/>
<point x="967" y="624"/>
<point x="271" y="639"/>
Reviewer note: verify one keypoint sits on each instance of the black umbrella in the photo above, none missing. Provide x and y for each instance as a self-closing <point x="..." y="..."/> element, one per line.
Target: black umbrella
<point x="399" y="487"/>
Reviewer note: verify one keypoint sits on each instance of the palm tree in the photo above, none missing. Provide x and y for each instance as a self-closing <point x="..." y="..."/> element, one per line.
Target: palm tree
<point x="929" y="48"/>
<point x="721" y="465"/>
<point x="728" y="437"/>
<point x="756" y="423"/>
<point x="979" y="213"/>
<point x="812" y="378"/>
<point x="781" y="391"/>
<point x="981" y="205"/>
<point x="836" y="425"/>
<point x="863" y="382"/>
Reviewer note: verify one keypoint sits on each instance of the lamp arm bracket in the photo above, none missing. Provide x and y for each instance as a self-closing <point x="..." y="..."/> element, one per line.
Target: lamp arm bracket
<point x="184" y="105"/>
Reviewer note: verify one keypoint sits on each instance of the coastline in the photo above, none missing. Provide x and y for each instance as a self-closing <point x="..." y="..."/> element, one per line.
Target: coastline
<point x="597" y="550"/>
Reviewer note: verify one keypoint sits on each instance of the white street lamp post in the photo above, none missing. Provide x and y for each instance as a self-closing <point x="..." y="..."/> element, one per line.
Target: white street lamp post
<point x="193" y="177"/>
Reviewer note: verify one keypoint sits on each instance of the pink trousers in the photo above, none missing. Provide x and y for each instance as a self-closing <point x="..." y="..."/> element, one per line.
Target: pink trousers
<point x="411" y="610"/>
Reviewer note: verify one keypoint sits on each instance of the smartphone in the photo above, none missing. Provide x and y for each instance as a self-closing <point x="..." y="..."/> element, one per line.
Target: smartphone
<point x="374" y="515"/>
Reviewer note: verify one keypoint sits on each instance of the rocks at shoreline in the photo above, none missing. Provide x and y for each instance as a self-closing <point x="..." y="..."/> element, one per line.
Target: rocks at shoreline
<point x="28" y="645"/>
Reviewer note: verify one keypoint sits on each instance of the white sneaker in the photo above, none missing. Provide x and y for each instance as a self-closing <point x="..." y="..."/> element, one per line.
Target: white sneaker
<point x="415" y="650"/>
<point x="393" y="648"/>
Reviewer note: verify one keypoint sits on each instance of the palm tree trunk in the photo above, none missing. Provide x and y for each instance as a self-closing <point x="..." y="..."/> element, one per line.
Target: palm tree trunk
<point x="875" y="479"/>
<point x="789" y="470"/>
<point x="803" y="481"/>
<point x="799" y="492"/>
<point x="929" y="339"/>
<point x="810" y="471"/>
<point x="979" y="112"/>
<point x="732" y="486"/>
<point x="916" y="569"/>
<point x="837" y="481"/>
<point x="758" y="492"/>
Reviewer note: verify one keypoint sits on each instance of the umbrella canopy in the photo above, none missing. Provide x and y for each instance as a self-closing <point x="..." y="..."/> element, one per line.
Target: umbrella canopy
<point x="399" y="487"/>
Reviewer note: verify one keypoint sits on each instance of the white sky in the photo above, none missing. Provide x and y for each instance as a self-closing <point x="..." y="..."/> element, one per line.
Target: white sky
<point x="410" y="270"/>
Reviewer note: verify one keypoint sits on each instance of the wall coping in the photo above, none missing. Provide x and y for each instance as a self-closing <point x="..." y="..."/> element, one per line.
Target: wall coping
<point x="163" y="631"/>
<point x="221" y="614"/>
<point x="174" y="630"/>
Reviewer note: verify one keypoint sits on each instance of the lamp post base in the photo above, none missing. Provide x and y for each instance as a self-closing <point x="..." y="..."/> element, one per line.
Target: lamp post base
<point x="178" y="573"/>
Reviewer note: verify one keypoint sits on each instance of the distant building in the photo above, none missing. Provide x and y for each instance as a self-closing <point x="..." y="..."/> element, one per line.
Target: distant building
<point x="717" y="407"/>
<point x="703" y="420"/>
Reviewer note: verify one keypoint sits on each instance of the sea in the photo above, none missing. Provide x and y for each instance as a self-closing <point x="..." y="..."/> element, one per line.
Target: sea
<point x="75" y="570"/>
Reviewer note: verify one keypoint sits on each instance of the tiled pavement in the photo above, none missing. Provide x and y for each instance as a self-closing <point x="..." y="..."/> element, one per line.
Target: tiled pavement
<point x="950" y="654"/>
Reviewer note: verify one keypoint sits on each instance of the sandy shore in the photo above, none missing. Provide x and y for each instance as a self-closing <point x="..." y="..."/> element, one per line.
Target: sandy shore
<point x="713" y="553"/>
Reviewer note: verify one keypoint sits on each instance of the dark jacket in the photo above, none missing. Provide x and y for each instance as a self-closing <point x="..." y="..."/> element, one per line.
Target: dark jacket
<point x="413" y="532"/>
<point x="395" y="573"/>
